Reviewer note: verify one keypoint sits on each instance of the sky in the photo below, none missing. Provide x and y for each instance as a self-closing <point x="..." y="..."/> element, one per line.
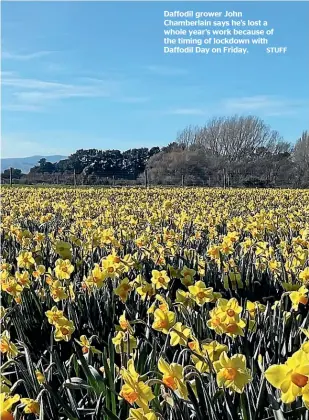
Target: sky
<point x="93" y="75"/>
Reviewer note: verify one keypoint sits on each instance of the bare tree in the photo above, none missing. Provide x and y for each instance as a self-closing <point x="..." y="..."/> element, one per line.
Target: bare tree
<point x="233" y="138"/>
<point x="188" y="135"/>
<point x="301" y="159"/>
<point x="301" y="150"/>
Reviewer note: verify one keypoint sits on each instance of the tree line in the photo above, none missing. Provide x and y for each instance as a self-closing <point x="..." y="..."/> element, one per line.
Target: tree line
<point x="226" y="151"/>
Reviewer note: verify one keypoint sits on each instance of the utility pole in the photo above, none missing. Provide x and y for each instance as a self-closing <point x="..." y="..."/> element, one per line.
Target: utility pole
<point x="11" y="176"/>
<point x="182" y="180"/>
<point x="146" y="178"/>
<point x="224" y="179"/>
<point x="74" y="177"/>
<point x="113" y="180"/>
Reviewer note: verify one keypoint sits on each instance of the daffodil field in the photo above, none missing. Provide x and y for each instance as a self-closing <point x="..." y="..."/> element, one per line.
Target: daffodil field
<point x="158" y="303"/>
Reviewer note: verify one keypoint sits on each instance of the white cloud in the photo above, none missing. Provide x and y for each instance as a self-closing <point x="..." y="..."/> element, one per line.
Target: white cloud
<point x="32" y="94"/>
<point x="61" y="89"/>
<point x="267" y="105"/>
<point x="25" y="94"/>
<point x="187" y="111"/>
<point x="24" y="57"/>
<point x="22" y="107"/>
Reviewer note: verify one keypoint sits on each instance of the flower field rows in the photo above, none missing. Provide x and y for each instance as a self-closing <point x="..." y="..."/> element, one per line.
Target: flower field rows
<point x="145" y="304"/>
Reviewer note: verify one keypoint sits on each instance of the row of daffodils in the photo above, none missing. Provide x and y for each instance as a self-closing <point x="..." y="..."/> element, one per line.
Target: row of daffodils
<point x="154" y="304"/>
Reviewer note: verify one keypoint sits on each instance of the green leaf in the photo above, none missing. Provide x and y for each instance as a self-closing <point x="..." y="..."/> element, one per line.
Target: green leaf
<point x="76" y="383"/>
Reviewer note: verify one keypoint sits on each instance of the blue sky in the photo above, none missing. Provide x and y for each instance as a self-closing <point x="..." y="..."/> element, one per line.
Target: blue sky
<point x="94" y="75"/>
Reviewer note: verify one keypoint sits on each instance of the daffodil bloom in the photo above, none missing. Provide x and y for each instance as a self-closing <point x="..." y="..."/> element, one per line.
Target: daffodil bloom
<point x="134" y="390"/>
<point x="96" y="278"/>
<point x="184" y="298"/>
<point x="195" y="346"/>
<point x="164" y="306"/>
<point x="201" y="267"/>
<point x="215" y="323"/>
<point x="5" y="385"/>
<point x="31" y="406"/>
<point x="173" y="377"/>
<point x="274" y="265"/>
<point x="232" y="372"/>
<point x="232" y="236"/>
<point x="179" y="334"/>
<point x="226" y="247"/>
<point x="64" y="330"/>
<point x="23" y="278"/>
<point x="124" y="323"/>
<point x="112" y="267"/>
<point x="39" y="271"/>
<point x="214" y="253"/>
<point x="303" y="353"/>
<point x="187" y="276"/>
<point x="85" y="344"/>
<point x="174" y="272"/>
<point x="187" y="281"/>
<point x="224" y="318"/>
<point x="187" y="272"/>
<point x="57" y="291"/>
<point x="107" y="236"/>
<point x="151" y="308"/>
<point x="6" y="404"/>
<point x="63" y="269"/>
<point x="254" y="307"/>
<point x="6" y="345"/>
<point x="304" y="275"/>
<point x="290" y="377"/>
<point x="146" y="289"/>
<point x="25" y="260"/>
<point x="4" y="275"/>
<point x="116" y="368"/>
<point x="160" y="279"/>
<point x="140" y="414"/>
<point x="216" y="297"/>
<point x="113" y="258"/>
<point x="40" y="377"/>
<point x="228" y="310"/>
<point x="12" y="288"/>
<point x="127" y="263"/>
<point x="53" y="315"/>
<point x="39" y="237"/>
<point x="163" y="321"/>
<point x="5" y="266"/>
<point x="3" y="311"/>
<point x="299" y="297"/>
<point x="235" y="328"/>
<point x="123" y="289"/>
<point x="210" y="353"/>
<point x="200" y="293"/>
<point x="124" y="342"/>
<point x="167" y="204"/>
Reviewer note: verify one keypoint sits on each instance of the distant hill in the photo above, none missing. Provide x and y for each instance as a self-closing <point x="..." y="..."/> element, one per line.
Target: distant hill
<point x="26" y="163"/>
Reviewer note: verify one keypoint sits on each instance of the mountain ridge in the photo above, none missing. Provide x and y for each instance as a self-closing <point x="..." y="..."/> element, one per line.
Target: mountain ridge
<point x="26" y="163"/>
